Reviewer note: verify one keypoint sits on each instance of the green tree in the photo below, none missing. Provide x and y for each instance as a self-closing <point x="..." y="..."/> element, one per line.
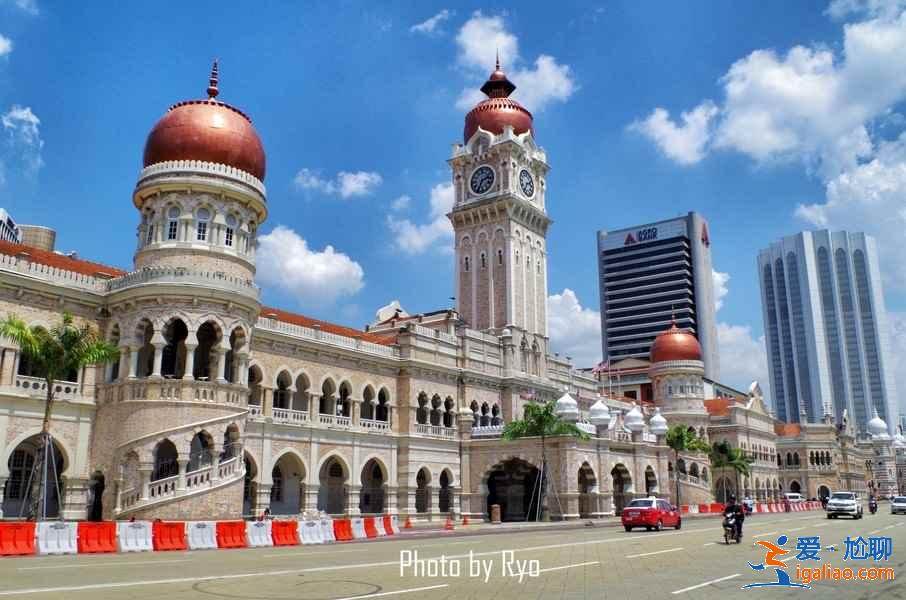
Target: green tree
<point x="540" y="420"/>
<point x="724" y="456"/>
<point x="682" y="438"/>
<point x="52" y="353"/>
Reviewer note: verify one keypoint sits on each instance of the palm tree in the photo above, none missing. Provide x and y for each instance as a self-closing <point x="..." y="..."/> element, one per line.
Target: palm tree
<point x="52" y="353"/>
<point x="682" y="438"/>
<point x="725" y="456"/>
<point x="540" y="420"/>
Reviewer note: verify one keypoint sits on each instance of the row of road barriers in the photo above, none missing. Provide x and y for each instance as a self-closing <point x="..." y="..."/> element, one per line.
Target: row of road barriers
<point x="758" y="507"/>
<point x="20" y="538"/>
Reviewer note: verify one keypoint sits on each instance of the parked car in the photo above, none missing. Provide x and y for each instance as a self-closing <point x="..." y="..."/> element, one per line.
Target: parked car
<point x="650" y="513"/>
<point x="898" y="505"/>
<point x="844" y="503"/>
<point x="793" y="497"/>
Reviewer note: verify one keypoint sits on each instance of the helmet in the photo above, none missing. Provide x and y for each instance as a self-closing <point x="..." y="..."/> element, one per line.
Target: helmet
<point x="732" y="498"/>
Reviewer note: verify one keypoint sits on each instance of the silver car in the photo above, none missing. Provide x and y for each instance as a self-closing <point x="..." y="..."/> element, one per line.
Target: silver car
<point x="844" y="503"/>
<point x="898" y="505"/>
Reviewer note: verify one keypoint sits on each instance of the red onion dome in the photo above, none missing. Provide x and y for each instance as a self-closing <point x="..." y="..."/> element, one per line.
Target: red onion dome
<point x="675" y="344"/>
<point x="498" y="110"/>
<point x="209" y="131"/>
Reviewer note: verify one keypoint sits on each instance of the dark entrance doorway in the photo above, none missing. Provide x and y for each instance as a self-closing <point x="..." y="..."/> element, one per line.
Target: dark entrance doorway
<point x="514" y="486"/>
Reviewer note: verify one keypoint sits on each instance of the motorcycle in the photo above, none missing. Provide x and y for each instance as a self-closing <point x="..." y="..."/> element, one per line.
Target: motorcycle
<point x="730" y="531"/>
<point x="873" y="507"/>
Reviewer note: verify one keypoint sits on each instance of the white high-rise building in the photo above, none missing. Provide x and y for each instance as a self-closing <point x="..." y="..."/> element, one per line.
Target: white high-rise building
<point x="9" y="231"/>
<point x="826" y="328"/>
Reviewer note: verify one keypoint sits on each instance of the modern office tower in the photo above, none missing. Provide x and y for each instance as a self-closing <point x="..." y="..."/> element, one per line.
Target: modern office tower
<point x="9" y="231"/>
<point x="826" y="328"/>
<point x="651" y="274"/>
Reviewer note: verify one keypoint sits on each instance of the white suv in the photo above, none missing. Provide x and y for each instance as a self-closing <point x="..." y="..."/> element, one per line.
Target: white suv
<point x="898" y="505"/>
<point x="844" y="503"/>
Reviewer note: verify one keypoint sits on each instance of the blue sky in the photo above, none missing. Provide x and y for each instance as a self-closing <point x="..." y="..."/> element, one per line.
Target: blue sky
<point x="375" y="92"/>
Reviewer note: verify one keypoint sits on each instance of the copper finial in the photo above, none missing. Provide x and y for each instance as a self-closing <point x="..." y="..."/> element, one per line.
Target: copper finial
<point x="498" y="60"/>
<point x="212" y="87"/>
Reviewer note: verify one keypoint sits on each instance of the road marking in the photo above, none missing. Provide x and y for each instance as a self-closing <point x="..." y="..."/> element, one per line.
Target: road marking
<point x="310" y="552"/>
<point x="421" y="589"/>
<point x="560" y="568"/>
<point x="701" y="585"/>
<point x="106" y="564"/>
<point x="797" y="529"/>
<point x="875" y="531"/>
<point x="765" y="534"/>
<point x="653" y="553"/>
<point x="710" y="544"/>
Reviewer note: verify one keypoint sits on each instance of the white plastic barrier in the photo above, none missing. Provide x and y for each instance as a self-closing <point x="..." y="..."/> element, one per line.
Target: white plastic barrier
<point x="258" y="533"/>
<point x="134" y="536"/>
<point x="395" y="524"/>
<point x="327" y="530"/>
<point x="383" y="526"/>
<point x="693" y="509"/>
<point x="379" y="526"/>
<point x="57" y="537"/>
<point x="310" y="532"/>
<point x="358" y="528"/>
<point x="201" y="535"/>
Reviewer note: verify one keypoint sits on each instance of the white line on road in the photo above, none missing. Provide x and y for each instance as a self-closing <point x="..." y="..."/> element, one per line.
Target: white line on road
<point x="585" y="564"/>
<point x="701" y="585"/>
<point x="797" y="529"/>
<point x="309" y="552"/>
<point x="710" y="544"/>
<point x="875" y="531"/>
<point x="421" y="589"/>
<point x="109" y="563"/>
<point x="765" y="534"/>
<point x="653" y="553"/>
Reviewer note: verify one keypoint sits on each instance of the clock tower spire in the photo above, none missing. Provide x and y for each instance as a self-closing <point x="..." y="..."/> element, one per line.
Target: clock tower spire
<point x="500" y="223"/>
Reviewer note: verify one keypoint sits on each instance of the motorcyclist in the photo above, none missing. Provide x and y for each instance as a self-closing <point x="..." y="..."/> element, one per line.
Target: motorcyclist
<point x="872" y="503"/>
<point x="737" y="511"/>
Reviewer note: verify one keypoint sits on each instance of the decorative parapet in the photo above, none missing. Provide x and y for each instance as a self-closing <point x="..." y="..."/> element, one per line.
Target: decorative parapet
<point x="23" y="266"/>
<point x="432" y="333"/>
<point x="333" y="339"/>
<point x="198" y="167"/>
<point x="185" y="276"/>
<point x="487" y="431"/>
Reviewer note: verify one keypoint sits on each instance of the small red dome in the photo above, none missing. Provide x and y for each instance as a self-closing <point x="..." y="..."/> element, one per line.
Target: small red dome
<point x="498" y="110"/>
<point x="675" y="344"/>
<point x="207" y="130"/>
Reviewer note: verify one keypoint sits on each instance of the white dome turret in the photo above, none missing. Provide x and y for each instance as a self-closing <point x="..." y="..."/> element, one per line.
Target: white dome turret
<point x="567" y="408"/>
<point x="599" y="414"/>
<point x="877" y="427"/>
<point x="634" y="420"/>
<point x="658" y="424"/>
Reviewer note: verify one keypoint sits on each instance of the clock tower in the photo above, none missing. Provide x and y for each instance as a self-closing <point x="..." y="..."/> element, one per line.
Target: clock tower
<point x="500" y="224"/>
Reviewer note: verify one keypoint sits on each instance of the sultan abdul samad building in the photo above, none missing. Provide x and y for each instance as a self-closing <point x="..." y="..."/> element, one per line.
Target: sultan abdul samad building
<point x="221" y="407"/>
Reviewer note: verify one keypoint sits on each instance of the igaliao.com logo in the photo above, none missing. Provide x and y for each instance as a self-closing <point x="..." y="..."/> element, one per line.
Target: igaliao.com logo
<point x="809" y="549"/>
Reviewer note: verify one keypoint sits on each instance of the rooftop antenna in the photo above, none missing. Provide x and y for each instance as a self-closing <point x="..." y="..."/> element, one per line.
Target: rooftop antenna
<point x="212" y="82"/>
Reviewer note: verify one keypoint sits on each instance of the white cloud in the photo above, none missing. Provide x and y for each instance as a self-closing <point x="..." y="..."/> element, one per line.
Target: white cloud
<point x="24" y="143"/>
<point x="480" y="40"/>
<point x="840" y="9"/>
<point x="720" y="287"/>
<point x="810" y="104"/>
<point x="574" y="331"/>
<point x="437" y="233"/>
<point x="742" y="358"/>
<point x="29" y="6"/>
<point x="346" y="184"/>
<point x="6" y="46"/>
<point x="432" y="24"/>
<point x="684" y="143"/>
<point x="315" y="278"/>
<point x="401" y="203"/>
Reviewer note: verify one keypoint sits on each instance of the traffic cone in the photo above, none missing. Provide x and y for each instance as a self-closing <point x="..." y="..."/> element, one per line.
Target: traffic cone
<point x="408" y="524"/>
<point x="465" y="519"/>
<point x="448" y="526"/>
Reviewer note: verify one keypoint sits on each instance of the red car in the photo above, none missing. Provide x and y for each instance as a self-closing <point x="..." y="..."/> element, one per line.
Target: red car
<point x="650" y="513"/>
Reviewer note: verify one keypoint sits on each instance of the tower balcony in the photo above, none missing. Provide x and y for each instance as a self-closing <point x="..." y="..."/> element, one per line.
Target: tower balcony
<point x="185" y="277"/>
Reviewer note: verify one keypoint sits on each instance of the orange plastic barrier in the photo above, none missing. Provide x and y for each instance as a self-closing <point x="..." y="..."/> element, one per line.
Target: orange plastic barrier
<point x="342" y="529"/>
<point x="169" y="535"/>
<point x="370" y="529"/>
<point x="684" y="508"/>
<point x="231" y="534"/>
<point x="97" y="537"/>
<point x="716" y="507"/>
<point x="17" y="538"/>
<point x="703" y="508"/>
<point x="285" y="533"/>
<point x="388" y="524"/>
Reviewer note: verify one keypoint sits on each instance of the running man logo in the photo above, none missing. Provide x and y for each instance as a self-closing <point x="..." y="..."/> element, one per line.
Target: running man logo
<point x="772" y="551"/>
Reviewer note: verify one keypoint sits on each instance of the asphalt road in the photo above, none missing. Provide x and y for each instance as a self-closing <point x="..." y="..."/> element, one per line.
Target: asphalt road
<point x="598" y="562"/>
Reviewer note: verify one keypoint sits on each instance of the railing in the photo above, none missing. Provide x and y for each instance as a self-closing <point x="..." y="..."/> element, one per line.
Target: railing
<point x="203" y="168"/>
<point x="374" y="425"/>
<point x="25" y="266"/>
<point x="435" y="430"/>
<point x="255" y="410"/>
<point x="587" y="428"/>
<point x="173" y="390"/>
<point x="433" y="333"/>
<point x="163" y="487"/>
<point x="622" y="436"/>
<point x="487" y="431"/>
<point x="334" y="421"/>
<point x="182" y="275"/>
<point x="268" y="324"/>
<point x="228" y="467"/>
<point x="37" y="387"/>
<point x="129" y="497"/>
<point x="285" y="415"/>
<point x="199" y="478"/>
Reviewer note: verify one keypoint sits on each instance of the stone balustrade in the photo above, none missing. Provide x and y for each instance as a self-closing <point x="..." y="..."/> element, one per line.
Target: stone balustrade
<point x="333" y="339"/>
<point x="435" y="430"/>
<point x="183" y="276"/>
<point x="285" y="415"/>
<point x="163" y="487"/>
<point x="335" y="421"/>
<point x="22" y="265"/>
<point x="374" y="425"/>
<point x="182" y="390"/>
<point x="487" y="431"/>
<point x="37" y="388"/>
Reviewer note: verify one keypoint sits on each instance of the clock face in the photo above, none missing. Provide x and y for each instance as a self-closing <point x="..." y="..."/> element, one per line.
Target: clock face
<point x="527" y="183"/>
<point x="482" y="179"/>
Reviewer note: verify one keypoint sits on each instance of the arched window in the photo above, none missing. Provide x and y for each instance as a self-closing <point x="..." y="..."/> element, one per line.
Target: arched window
<point x="499" y="256"/>
<point x="484" y="261"/>
<point x="202" y="216"/>
<point x="231" y="223"/>
<point x="150" y="238"/>
<point x="465" y="262"/>
<point x="277" y="487"/>
<point x="172" y="222"/>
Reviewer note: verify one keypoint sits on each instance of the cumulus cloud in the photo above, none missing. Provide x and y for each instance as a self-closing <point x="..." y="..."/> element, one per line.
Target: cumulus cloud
<point x="28" y="6"/>
<point x="742" y="357"/>
<point x="432" y="24"/>
<point x="436" y="233"/>
<point x="345" y="184"/>
<point x="720" y="287"/>
<point x="479" y="41"/>
<point x="574" y="331"/>
<point x="684" y="142"/>
<point x="23" y="138"/>
<point x="315" y="278"/>
<point x="401" y="203"/>
<point x="6" y="46"/>
<point x="809" y="104"/>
